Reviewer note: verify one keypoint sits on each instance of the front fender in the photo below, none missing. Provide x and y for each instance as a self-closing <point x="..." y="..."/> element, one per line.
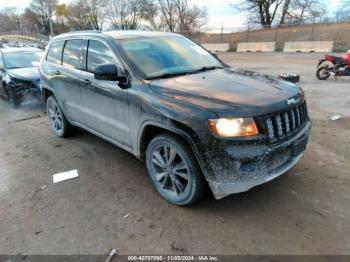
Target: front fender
<point x="321" y="62"/>
<point x="182" y="131"/>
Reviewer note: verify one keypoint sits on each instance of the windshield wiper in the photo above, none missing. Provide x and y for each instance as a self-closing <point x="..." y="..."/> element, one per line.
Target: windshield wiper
<point x="167" y="75"/>
<point x="207" y="68"/>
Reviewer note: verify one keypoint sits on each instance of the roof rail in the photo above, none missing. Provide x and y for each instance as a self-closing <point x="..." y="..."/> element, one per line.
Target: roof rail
<point x="77" y="32"/>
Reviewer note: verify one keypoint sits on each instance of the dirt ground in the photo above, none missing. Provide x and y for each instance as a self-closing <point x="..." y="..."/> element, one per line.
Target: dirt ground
<point x="113" y="204"/>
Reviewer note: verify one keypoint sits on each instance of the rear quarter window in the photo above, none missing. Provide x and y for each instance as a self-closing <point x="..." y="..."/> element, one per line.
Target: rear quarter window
<point x="73" y="54"/>
<point x="55" y="52"/>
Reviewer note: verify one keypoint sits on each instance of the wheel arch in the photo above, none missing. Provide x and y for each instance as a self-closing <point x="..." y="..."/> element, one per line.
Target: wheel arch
<point x="46" y="93"/>
<point x="150" y="129"/>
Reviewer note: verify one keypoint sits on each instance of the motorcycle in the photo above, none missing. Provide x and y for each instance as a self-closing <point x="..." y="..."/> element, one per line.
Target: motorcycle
<point x="340" y="67"/>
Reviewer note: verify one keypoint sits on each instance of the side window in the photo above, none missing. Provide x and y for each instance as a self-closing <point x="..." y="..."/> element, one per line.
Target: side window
<point x="73" y="54"/>
<point x="55" y="53"/>
<point x="98" y="54"/>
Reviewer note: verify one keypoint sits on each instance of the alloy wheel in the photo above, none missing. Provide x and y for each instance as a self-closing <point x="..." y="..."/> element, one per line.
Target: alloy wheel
<point x="55" y="116"/>
<point x="170" y="170"/>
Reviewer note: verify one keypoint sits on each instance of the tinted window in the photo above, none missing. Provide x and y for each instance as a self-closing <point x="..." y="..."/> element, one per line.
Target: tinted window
<point x="98" y="54"/>
<point x="55" y="52"/>
<point x="73" y="54"/>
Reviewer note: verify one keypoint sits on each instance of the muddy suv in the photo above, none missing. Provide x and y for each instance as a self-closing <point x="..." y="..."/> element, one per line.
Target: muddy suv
<point x="191" y="118"/>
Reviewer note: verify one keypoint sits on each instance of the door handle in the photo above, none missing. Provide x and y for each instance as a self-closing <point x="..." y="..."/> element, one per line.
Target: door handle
<point x="57" y="73"/>
<point x="86" y="81"/>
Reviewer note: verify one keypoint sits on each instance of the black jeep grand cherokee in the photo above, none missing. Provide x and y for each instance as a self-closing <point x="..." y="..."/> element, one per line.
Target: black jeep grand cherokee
<point x="168" y="101"/>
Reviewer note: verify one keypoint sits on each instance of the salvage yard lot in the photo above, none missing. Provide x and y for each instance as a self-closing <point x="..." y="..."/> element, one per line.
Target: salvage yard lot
<point x="113" y="204"/>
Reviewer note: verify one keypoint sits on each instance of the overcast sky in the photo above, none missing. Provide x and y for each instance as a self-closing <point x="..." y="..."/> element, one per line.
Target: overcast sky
<point x="220" y="11"/>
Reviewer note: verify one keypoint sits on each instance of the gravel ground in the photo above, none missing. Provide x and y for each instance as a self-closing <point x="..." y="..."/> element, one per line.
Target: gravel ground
<point x="113" y="204"/>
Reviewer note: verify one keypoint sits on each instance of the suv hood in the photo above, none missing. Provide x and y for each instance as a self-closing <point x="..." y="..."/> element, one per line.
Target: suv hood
<point x="26" y="73"/>
<point x="229" y="92"/>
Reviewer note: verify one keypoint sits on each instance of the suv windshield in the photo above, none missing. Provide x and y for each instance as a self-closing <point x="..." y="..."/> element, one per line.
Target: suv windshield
<point x="22" y="59"/>
<point x="160" y="57"/>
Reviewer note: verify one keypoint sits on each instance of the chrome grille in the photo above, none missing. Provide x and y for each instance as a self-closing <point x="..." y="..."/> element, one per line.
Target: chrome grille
<point x="284" y="124"/>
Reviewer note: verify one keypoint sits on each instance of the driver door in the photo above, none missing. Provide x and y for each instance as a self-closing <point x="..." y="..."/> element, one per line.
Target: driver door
<point x="105" y="103"/>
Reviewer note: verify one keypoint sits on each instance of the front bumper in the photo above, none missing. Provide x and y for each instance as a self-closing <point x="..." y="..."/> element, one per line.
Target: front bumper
<point x="25" y="87"/>
<point x="238" y="168"/>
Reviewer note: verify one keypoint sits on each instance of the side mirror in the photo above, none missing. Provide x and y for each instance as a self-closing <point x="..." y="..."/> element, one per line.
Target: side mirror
<point x="214" y="55"/>
<point x="110" y="72"/>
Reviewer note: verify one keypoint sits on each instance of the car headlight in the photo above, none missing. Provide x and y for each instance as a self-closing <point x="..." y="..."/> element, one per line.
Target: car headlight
<point x="7" y="79"/>
<point x="301" y="92"/>
<point x="233" y="127"/>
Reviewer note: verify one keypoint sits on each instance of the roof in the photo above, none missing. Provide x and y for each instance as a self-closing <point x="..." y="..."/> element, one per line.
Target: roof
<point x="7" y="50"/>
<point x="135" y="33"/>
<point x="116" y="34"/>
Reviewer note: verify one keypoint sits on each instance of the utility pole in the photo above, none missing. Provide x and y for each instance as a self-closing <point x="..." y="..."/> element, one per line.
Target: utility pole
<point x="49" y="14"/>
<point x="313" y="29"/>
<point x="222" y="33"/>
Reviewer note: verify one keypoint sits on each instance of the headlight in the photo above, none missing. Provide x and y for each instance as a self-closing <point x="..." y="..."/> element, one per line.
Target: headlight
<point x="7" y="79"/>
<point x="233" y="127"/>
<point x="301" y="92"/>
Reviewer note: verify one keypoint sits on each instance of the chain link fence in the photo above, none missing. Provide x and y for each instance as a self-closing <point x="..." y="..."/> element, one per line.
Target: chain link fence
<point x="339" y="33"/>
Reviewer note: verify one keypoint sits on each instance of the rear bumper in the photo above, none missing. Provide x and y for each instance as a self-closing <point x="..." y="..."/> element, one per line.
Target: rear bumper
<point x="238" y="168"/>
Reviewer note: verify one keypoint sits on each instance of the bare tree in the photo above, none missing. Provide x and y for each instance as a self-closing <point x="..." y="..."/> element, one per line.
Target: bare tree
<point x="10" y="19"/>
<point x="77" y="16"/>
<point x="303" y="11"/>
<point x="86" y="14"/>
<point x="168" y="10"/>
<point x="41" y="8"/>
<point x="95" y="12"/>
<point x="150" y="13"/>
<point x="189" y="17"/>
<point x="343" y="12"/>
<point x="284" y="11"/>
<point x="260" y="11"/>
<point x="124" y="14"/>
<point x="30" y="21"/>
<point x="174" y="15"/>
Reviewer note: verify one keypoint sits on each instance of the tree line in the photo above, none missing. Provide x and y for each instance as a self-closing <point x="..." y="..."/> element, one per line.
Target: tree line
<point x="279" y="12"/>
<point x="167" y="15"/>
<point x="44" y="16"/>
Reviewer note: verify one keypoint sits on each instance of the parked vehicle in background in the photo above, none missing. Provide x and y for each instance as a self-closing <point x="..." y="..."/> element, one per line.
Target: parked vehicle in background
<point x="339" y="66"/>
<point x="165" y="99"/>
<point x="19" y="75"/>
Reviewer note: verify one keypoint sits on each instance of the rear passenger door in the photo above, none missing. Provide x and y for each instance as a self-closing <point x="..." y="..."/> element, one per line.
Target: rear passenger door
<point x="68" y="87"/>
<point x="106" y="105"/>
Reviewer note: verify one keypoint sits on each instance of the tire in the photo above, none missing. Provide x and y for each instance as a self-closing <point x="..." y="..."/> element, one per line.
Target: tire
<point x="174" y="170"/>
<point x="12" y="98"/>
<point x="320" y="76"/>
<point x="58" y="122"/>
<point x="294" y="78"/>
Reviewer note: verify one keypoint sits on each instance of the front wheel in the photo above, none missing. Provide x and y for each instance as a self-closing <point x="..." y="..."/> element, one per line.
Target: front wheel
<point x="323" y="72"/>
<point x="12" y="97"/>
<point x="174" y="170"/>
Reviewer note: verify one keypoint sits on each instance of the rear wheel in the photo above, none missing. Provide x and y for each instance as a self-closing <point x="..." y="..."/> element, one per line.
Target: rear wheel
<point x="174" y="170"/>
<point x="59" y="124"/>
<point x="323" y="72"/>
